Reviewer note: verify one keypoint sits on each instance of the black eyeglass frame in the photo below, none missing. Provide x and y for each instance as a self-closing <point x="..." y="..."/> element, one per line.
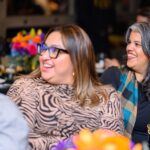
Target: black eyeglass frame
<point x="41" y="47"/>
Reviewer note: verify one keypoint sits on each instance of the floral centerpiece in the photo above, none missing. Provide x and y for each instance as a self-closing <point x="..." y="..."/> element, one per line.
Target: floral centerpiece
<point x="24" y="49"/>
<point x="23" y="56"/>
<point x="101" y="139"/>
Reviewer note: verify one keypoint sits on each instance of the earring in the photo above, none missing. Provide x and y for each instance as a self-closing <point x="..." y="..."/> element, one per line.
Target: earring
<point x="73" y="74"/>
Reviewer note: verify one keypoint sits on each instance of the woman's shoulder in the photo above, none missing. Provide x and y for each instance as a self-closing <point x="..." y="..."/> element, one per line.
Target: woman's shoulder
<point x="110" y="92"/>
<point x="23" y="81"/>
<point x="108" y="88"/>
<point x="23" y="86"/>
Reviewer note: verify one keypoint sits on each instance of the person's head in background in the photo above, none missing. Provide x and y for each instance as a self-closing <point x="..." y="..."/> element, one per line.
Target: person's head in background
<point x="138" y="48"/>
<point x="67" y="57"/>
<point x="143" y="14"/>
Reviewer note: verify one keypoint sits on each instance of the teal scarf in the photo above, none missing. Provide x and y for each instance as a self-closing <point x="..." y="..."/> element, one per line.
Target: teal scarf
<point x="128" y="92"/>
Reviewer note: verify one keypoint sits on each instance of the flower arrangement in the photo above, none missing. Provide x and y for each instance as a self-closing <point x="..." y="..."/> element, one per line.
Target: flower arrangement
<point x="23" y="49"/>
<point x="101" y="139"/>
<point x="24" y="43"/>
<point x="23" y="56"/>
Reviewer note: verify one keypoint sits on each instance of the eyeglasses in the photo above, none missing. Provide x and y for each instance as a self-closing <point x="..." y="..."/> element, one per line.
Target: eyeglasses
<point x="53" y="51"/>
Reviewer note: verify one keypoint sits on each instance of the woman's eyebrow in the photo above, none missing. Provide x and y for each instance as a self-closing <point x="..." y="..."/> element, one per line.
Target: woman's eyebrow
<point x="138" y="41"/>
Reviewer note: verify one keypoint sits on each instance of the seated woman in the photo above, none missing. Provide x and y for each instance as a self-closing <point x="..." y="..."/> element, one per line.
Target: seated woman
<point x="64" y="94"/>
<point x="133" y="82"/>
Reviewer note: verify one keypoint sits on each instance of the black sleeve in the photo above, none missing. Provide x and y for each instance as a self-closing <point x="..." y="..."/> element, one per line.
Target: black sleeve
<point x="111" y="76"/>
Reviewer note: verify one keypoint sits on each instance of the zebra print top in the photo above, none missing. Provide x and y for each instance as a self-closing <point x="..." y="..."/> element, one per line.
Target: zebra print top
<point x="53" y="113"/>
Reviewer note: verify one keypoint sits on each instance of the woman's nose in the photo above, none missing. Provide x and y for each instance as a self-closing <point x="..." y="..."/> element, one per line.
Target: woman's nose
<point x="130" y="46"/>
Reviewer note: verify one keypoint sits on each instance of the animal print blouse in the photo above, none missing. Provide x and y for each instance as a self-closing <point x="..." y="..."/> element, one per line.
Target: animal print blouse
<point x="54" y="114"/>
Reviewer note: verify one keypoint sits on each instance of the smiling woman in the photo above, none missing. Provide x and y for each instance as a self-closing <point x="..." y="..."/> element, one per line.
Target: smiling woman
<point x="137" y="53"/>
<point x="64" y="94"/>
<point x="55" y="63"/>
<point x="133" y="82"/>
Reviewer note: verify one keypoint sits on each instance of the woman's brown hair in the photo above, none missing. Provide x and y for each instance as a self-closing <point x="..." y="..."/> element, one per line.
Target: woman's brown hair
<point x="78" y="43"/>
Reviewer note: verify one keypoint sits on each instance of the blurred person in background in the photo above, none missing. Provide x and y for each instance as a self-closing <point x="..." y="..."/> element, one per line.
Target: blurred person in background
<point x="133" y="82"/>
<point x="64" y="94"/>
<point x="143" y="14"/>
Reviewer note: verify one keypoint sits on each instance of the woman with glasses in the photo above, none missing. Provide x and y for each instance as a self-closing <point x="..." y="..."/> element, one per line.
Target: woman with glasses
<point x="64" y="94"/>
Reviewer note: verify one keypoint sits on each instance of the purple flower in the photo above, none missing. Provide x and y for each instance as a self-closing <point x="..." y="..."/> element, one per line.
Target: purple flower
<point x="131" y="144"/>
<point x="64" y="145"/>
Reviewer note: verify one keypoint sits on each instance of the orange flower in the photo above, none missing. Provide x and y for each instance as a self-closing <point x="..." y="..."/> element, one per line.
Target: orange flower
<point x="84" y="141"/>
<point x="137" y="147"/>
<point x="115" y="143"/>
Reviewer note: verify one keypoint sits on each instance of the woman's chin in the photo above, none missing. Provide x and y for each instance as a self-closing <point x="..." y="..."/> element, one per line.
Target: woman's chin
<point x="130" y="64"/>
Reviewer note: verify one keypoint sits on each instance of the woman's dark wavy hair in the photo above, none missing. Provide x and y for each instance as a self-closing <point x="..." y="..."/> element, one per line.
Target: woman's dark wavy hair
<point x="144" y="30"/>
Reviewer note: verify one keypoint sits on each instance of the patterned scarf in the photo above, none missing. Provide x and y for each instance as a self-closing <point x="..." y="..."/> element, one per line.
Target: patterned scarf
<point x="128" y="92"/>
